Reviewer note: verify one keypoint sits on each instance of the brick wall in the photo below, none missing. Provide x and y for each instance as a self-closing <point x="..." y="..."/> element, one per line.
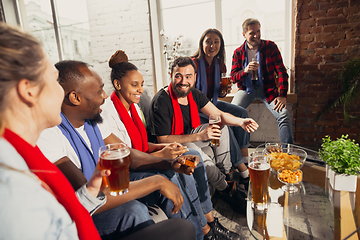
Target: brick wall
<point x="327" y="35"/>
<point x="122" y="25"/>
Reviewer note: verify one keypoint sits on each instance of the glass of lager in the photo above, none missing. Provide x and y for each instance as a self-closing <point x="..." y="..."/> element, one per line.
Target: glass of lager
<point x="116" y="158"/>
<point x="259" y="171"/>
<point x="215" y="119"/>
<point x="225" y="81"/>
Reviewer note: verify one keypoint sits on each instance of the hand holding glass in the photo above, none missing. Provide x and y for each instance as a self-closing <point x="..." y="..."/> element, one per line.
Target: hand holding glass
<point x="215" y="119"/>
<point x="254" y="74"/>
<point x="116" y="158"/>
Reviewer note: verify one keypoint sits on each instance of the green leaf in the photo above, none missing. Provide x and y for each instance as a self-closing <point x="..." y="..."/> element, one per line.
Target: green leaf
<point x="342" y="155"/>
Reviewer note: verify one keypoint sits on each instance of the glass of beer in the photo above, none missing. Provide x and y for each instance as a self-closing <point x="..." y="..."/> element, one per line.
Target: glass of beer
<point x="254" y="74"/>
<point x="259" y="171"/>
<point x="215" y="119"/>
<point x="225" y="81"/>
<point x="116" y="157"/>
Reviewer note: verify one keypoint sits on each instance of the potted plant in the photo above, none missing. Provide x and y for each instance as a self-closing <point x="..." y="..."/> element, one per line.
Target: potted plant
<point x="342" y="157"/>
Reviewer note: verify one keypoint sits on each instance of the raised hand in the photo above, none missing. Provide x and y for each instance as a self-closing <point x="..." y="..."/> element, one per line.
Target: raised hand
<point x="248" y="124"/>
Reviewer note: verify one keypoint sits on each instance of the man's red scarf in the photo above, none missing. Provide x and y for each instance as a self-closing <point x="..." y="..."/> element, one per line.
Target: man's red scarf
<point x="135" y="127"/>
<point x="178" y="123"/>
<point x="57" y="182"/>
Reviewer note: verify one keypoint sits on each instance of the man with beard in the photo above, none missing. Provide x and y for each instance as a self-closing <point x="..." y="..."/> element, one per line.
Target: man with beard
<point x="74" y="145"/>
<point x="175" y="118"/>
<point x="256" y="79"/>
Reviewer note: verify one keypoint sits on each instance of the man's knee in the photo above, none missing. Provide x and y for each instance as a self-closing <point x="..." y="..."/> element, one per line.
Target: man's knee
<point x="137" y="211"/>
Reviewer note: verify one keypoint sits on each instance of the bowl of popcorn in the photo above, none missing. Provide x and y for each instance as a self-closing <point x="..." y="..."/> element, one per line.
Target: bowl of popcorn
<point x="290" y="178"/>
<point x="285" y="156"/>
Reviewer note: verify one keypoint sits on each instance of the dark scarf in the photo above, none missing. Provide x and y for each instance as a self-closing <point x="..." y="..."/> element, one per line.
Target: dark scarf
<point x="57" y="182"/>
<point x="201" y="82"/>
<point x="88" y="158"/>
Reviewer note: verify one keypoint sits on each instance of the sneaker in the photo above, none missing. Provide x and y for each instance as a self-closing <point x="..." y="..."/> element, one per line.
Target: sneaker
<point x="220" y="230"/>
<point x="212" y="236"/>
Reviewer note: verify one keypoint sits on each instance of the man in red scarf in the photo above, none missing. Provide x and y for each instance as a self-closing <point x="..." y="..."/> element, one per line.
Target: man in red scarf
<point x="175" y="118"/>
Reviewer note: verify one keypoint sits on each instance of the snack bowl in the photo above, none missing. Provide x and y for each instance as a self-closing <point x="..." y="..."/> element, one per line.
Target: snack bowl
<point x="290" y="178"/>
<point x="285" y="156"/>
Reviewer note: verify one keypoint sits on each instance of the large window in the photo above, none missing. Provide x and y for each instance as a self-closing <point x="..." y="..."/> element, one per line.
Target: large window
<point x="63" y="30"/>
<point x="191" y="18"/>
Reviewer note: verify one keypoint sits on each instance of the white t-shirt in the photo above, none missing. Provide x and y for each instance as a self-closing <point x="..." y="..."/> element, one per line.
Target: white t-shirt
<point x="112" y="118"/>
<point x="252" y="54"/>
<point x="54" y="145"/>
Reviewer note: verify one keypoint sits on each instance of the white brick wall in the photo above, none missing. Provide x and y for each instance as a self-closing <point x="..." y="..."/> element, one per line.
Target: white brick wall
<point x="121" y="24"/>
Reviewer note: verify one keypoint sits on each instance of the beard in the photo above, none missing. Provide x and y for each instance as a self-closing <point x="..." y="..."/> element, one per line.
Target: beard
<point x="96" y="119"/>
<point x="181" y="93"/>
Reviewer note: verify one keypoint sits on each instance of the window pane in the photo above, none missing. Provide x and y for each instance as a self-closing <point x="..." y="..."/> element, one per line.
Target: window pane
<point x="74" y="29"/>
<point x="188" y="20"/>
<point x="40" y="23"/>
<point x="271" y="15"/>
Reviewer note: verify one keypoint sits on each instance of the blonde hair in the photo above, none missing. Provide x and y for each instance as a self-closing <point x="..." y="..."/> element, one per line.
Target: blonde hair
<point x="21" y="57"/>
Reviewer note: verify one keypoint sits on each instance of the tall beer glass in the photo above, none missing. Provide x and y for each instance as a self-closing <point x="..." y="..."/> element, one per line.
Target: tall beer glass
<point x="116" y="158"/>
<point x="225" y="81"/>
<point x="259" y="171"/>
<point x="254" y="74"/>
<point x="215" y="119"/>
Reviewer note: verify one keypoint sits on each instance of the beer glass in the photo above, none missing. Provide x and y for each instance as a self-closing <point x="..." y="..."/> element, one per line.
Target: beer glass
<point x="254" y="74"/>
<point x="259" y="171"/>
<point x="116" y="158"/>
<point x="225" y="81"/>
<point x="215" y="119"/>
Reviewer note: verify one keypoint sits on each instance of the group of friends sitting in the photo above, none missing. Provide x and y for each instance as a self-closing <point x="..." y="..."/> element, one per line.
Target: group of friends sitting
<point x="54" y="119"/>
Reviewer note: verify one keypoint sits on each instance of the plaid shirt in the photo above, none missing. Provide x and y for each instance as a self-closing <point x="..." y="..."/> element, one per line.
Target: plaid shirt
<point x="271" y="62"/>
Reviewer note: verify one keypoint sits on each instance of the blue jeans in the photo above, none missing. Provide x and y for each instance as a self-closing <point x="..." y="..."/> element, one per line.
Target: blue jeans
<point x="122" y="220"/>
<point x="196" y="198"/>
<point x="201" y="180"/>
<point x="243" y="99"/>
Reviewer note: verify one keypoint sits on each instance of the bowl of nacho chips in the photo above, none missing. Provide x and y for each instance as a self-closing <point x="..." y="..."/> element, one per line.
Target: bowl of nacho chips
<point x="285" y="156"/>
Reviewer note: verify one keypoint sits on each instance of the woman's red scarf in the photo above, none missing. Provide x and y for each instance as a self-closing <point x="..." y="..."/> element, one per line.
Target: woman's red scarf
<point x="135" y="127"/>
<point x="178" y="123"/>
<point x="58" y="183"/>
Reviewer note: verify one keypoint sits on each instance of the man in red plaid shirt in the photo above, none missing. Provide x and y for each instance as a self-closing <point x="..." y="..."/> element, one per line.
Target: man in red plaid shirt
<point x="254" y="65"/>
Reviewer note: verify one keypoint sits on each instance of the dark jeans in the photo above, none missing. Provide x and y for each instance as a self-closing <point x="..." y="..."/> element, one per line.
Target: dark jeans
<point x="174" y="229"/>
<point x="122" y="220"/>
